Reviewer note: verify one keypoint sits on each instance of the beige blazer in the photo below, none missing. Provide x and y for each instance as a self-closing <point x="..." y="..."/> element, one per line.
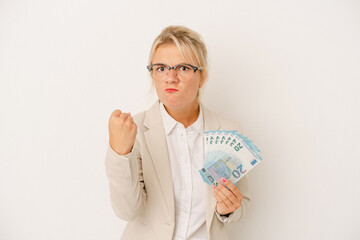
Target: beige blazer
<point x="141" y="188"/>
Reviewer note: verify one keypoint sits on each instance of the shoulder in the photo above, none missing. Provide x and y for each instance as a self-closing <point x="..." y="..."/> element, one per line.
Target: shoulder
<point x="139" y="117"/>
<point x="147" y="118"/>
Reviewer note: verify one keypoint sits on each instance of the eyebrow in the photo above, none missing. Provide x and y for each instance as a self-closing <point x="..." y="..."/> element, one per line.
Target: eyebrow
<point x="174" y="65"/>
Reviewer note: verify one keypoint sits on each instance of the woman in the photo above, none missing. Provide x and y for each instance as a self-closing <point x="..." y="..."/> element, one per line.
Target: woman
<point x="153" y="158"/>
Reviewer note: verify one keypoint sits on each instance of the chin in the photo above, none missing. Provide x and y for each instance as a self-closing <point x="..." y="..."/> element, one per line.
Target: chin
<point x="176" y="101"/>
<point x="171" y="104"/>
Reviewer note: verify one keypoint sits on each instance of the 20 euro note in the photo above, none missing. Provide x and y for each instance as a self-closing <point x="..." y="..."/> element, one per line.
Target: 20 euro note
<point x="228" y="155"/>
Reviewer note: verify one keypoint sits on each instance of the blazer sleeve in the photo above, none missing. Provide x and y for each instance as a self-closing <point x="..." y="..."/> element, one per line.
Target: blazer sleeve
<point x="126" y="183"/>
<point x="238" y="214"/>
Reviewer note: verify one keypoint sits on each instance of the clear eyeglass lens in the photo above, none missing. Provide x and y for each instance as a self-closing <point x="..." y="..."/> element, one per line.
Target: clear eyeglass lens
<point x="183" y="72"/>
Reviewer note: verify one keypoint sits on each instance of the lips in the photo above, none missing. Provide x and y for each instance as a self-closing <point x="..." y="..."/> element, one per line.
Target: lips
<point x="171" y="90"/>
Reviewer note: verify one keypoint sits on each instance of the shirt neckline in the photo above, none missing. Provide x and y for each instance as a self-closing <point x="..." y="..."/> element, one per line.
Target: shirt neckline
<point x="170" y="122"/>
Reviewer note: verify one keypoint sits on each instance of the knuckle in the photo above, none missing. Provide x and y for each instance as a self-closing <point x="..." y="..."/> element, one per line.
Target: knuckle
<point x="115" y="113"/>
<point x="231" y="186"/>
<point x="119" y="121"/>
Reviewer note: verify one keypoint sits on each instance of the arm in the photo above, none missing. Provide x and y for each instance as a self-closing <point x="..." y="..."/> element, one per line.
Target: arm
<point x="124" y="167"/>
<point x="126" y="183"/>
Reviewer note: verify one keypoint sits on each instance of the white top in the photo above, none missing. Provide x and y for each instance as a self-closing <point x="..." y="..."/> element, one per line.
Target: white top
<point x="186" y="154"/>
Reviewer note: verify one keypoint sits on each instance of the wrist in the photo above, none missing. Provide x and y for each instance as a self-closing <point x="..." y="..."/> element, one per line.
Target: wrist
<point x="120" y="151"/>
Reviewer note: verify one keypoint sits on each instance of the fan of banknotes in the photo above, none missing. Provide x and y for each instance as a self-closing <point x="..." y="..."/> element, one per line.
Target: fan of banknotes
<point x="229" y="155"/>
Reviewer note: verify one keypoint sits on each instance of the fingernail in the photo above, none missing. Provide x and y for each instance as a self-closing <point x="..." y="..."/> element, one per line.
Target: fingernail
<point x="212" y="185"/>
<point x="223" y="179"/>
<point x="216" y="184"/>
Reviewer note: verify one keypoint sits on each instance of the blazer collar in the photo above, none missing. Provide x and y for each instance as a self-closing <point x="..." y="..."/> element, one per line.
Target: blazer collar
<point x="156" y="140"/>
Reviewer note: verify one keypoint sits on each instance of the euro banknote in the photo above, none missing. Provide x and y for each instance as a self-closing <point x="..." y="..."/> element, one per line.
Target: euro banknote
<point x="228" y="154"/>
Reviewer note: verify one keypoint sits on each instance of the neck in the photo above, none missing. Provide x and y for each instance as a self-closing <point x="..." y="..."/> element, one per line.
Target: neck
<point x="187" y="115"/>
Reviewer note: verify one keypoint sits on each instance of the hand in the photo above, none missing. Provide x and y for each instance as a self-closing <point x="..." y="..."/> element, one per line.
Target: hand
<point x="227" y="200"/>
<point x="122" y="132"/>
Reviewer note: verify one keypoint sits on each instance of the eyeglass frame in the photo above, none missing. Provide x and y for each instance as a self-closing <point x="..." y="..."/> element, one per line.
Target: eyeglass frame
<point x="149" y="67"/>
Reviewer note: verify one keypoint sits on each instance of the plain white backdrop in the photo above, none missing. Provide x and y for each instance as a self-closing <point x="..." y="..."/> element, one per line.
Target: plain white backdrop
<point x="287" y="70"/>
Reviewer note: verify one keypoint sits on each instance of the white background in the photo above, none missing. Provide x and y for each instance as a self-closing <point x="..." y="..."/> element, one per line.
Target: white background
<point x="287" y="70"/>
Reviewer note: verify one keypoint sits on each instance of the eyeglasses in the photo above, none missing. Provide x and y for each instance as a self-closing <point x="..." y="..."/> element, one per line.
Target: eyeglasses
<point x="184" y="71"/>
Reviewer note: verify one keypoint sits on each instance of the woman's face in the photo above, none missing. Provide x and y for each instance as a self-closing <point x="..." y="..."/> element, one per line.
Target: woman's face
<point x="173" y="92"/>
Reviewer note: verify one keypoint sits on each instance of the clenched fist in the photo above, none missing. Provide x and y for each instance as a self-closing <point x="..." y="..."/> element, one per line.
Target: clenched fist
<point x="122" y="132"/>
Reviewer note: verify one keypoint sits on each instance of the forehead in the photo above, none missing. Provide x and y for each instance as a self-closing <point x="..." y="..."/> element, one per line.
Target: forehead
<point x="171" y="55"/>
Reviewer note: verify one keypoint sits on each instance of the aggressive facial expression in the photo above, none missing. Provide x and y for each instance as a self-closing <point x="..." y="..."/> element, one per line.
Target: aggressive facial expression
<point x="173" y="92"/>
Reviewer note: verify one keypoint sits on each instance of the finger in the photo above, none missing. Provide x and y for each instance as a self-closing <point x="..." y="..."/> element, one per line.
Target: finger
<point x="234" y="200"/>
<point x="115" y="113"/>
<point x="130" y="119"/>
<point x="232" y="188"/>
<point x="134" y="127"/>
<point x="220" y="201"/>
<point x="223" y="198"/>
<point x="124" y="116"/>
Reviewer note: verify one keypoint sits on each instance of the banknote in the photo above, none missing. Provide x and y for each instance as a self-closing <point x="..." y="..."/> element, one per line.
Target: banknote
<point x="228" y="154"/>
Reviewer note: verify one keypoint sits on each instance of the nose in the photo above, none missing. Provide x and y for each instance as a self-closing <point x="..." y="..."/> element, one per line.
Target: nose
<point x="172" y="76"/>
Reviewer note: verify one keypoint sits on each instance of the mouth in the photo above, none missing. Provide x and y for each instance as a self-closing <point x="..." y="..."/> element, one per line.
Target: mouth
<point x="171" y="90"/>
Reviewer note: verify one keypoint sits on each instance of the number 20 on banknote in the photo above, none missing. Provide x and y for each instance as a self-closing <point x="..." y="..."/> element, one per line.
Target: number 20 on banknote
<point x="228" y="155"/>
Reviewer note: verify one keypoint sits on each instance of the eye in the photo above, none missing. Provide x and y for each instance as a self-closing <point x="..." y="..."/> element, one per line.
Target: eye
<point x="159" y="68"/>
<point x="183" y="68"/>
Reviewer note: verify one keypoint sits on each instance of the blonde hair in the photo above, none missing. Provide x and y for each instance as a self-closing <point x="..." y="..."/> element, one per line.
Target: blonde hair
<point x="187" y="41"/>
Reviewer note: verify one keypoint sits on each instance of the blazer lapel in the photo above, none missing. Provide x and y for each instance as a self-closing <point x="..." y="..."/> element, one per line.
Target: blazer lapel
<point x="210" y="123"/>
<point x="156" y="141"/>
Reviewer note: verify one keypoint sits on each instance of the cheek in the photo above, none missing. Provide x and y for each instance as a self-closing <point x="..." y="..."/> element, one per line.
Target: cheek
<point x="193" y="87"/>
<point x="157" y="86"/>
<point x="190" y="91"/>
